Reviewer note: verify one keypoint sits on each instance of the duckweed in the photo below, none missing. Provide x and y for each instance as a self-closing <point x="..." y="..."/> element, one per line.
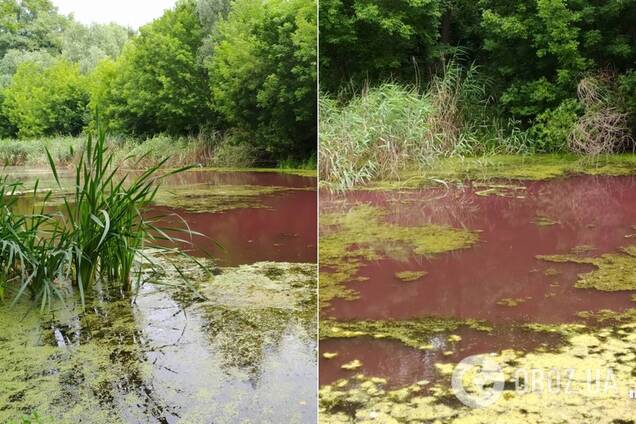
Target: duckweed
<point x="217" y="198"/>
<point x="368" y="399"/>
<point x="412" y="333"/>
<point x="361" y="235"/>
<point x="509" y="167"/>
<point x="615" y="271"/>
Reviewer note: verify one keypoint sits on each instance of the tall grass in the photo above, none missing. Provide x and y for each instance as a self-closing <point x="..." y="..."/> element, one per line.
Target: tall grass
<point x="33" y="247"/>
<point x="97" y="237"/>
<point x="211" y="148"/>
<point x="377" y="133"/>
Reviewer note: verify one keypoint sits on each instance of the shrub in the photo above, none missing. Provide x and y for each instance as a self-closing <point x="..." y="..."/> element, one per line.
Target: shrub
<point x="553" y="127"/>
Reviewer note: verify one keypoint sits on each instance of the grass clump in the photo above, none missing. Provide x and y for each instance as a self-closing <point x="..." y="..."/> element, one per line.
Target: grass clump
<point x="97" y="236"/>
<point x="391" y="127"/>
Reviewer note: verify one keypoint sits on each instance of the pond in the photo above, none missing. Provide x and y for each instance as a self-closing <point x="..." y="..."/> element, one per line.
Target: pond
<point x="247" y="353"/>
<point x="421" y="278"/>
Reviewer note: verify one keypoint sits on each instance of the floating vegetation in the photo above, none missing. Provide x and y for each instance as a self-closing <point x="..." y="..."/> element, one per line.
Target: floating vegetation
<point x="412" y="333"/>
<point x="507" y="167"/>
<point x="616" y="271"/>
<point x="329" y="355"/>
<point x="545" y="221"/>
<point x="361" y="234"/>
<point x="369" y="399"/>
<point x="215" y="198"/>
<point x="106" y="362"/>
<point x="351" y="366"/>
<point x="512" y="302"/>
<point x="408" y="276"/>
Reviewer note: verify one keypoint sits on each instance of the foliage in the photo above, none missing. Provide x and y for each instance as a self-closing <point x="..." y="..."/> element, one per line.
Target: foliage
<point x="263" y="73"/>
<point x="539" y="50"/>
<point x="88" y="45"/>
<point x="363" y="39"/>
<point x="55" y="71"/>
<point x="553" y="127"/>
<point x="30" y="25"/>
<point x="46" y="101"/>
<point x="159" y="85"/>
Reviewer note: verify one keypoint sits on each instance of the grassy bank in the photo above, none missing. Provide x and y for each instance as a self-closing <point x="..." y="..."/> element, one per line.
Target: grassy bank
<point x="214" y="151"/>
<point x="387" y="131"/>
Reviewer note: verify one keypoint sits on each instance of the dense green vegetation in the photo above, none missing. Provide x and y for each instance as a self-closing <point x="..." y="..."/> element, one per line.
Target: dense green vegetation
<point x="231" y="76"/>
<point x="530" y="76"/>
<point x="98" y="236"/>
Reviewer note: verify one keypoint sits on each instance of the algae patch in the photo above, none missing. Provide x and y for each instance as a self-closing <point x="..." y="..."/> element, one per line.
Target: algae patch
<point x="412" y="333"/>
<point x="508" y="167"/>
<point x="527" y="397"/>
<point x="615" y="271"/>
<point x="217" y="198"/>
<point x="362" y="234"/>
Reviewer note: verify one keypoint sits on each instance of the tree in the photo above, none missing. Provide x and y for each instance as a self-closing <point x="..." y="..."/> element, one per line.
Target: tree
<point x="160" y="85"/>
<point x="46" y="101"/>
<point x="538" y="50"/>
<point x="88" y="45"/>
<point x="372" y="40"/>
<point x="30" y="25"/>
<point x="263" y="74"/>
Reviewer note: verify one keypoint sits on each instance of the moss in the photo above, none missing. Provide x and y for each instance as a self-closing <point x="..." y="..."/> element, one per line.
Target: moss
<point x="615" y="271"/>
<point x="408" y="276"/>
<point x="509" y="167"/>
<point x="412" y="333"/>
<point x="361" y="234"/>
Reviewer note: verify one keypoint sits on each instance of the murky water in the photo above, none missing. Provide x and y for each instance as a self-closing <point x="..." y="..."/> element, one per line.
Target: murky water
<point x="589" y="212"/>
<point x="167" y="358"/>
<point x="498" y="280"/>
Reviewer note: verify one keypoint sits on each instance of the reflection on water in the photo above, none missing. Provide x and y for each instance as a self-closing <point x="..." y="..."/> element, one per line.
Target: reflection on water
<point x="167" y="358"/>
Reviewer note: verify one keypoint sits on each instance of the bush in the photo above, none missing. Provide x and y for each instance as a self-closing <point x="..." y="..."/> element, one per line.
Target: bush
<point x="553" y="127"/>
